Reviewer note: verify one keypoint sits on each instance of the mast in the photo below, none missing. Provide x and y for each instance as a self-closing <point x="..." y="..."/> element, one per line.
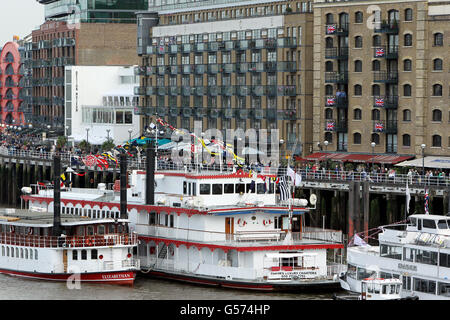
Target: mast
<point x="123" y="186"/>
<point x="56" y="195"/>
<point x="150" y="175"/>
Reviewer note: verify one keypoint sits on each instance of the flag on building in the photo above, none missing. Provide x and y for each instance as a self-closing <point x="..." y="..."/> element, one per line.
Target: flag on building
<point x="330" y="126"/>
<point x="379" y="52"/>
<point x="379" y="126"/>
<point x="427" y="198"/>
<point x="331" y="29"/>
<point x="331" y="101"/>
<point x="379" y="102"/>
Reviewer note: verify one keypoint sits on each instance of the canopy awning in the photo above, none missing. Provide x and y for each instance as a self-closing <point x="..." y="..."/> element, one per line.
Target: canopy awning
<point x="428" y="162"/>
<point x="145" y="140"/>
<point x="289" y="255"/>
<point x="354" y="157"/>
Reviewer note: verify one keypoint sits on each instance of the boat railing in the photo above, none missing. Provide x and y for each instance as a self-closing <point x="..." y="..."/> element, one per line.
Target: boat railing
<point x="120" y="264"/>
<point x="36" y="241"/>
<point x="335" y="268"/>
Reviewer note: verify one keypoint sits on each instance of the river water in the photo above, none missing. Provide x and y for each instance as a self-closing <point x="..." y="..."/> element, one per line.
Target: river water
<point x="13" y="288"/>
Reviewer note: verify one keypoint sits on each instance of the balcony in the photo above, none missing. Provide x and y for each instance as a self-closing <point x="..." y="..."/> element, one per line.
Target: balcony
<point x="187" y="47"/>
<point x="229" y="45"/>
<point x="287" y="66"/>
<point x="243" y="44"/>
<point x="200" y="69"/>
<point x="228" y="67"/>
<point x="173" y="69"/>
<point x="287" y="42"/>
<point x="162" y="91"/>
<point x="336" y="29"/>
<point x="242" y="67"/>
<point x="336" y="53"/>
<point x="162" y="111"/>
<point x="257" y="90"/>
<point x="270" y="66"/>
<point x="386" y="126"/>
<point x="227" y="113"/>
<point x="257" y="114"/>
<point x="150" y="91"/>
<point x="333" y="101"/>
<point x="336" y="125"/>
<point x="200" y="47"/>
<point x="213" y="68"/>
<point x="199" y="91"/>
<point x="390" y="27"/>
<point x="387" y="102"/>
<point x="213" y="113"/>
<point x="173" y="48"/>
<point x="387" y="52"/>
<point x="242" y="90"/>
<point x="144" y="111"/>
<point x="228" y="90"/>
<point x="174" y="112"/>
<point x="256" y="67"/>
<point x="336" y="77"/>
<point x="385" y="76"/>
<point x="186" y="69"/>
<point x="174" y="91"/>
<point x="290" y="114"/>
<point x="185" y="91"/>
<point x="213" y="91"/>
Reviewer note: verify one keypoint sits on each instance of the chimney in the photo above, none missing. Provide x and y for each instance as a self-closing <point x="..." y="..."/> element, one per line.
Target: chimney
<point x="150" y="175"/>
<point x="57" y="196"/>
<point x="123" y="187"/>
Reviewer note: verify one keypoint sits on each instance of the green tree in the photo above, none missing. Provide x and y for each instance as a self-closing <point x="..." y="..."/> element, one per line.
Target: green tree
<point x="108" y="145"/>
<point x="61" y="142"/>
<point x="84" y="145"/>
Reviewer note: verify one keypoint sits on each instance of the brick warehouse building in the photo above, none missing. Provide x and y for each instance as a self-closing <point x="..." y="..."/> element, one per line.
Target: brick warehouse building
<point x="239" y="64"/>
<point x="88" y="33"/>
<point x="11" y="85"/>
<point x="391" y="58"/>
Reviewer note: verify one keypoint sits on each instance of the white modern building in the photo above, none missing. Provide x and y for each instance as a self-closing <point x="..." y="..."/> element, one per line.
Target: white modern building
<point x="100" y="103"/>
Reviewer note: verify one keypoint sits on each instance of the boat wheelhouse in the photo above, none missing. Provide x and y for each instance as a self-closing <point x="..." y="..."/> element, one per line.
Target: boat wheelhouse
<point x="418" y="254"/>
<point x="216" y="228"/>
<point x="375" y="289"/>
<point x="87" y="250"/>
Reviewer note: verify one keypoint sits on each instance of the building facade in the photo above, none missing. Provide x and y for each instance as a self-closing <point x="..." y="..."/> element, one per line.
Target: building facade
<point x="233" y="64"/>
<point x="82" y="32"/>
<point x="12" y="80"/>
<point x="379" y="76"/>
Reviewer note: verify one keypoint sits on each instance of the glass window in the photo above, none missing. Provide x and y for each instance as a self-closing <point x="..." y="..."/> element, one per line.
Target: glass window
<point x="261" y="188"/>
<point x="228" y="188"/>
<point x="119" y="117"/>
<point x="240" y="188"/>
<point x="351" y="271"/>
<point x="427" y="223"/>
<point x="74" y="255"/>
<point x="205" y="188"/>
<point x="393" y="252"/>
<point x="83" y="255"/>
<point x="408" y="14"/>
<point x="217" y="188"/>
<point x="442" y="224"/>
<point x="94" y="254"/>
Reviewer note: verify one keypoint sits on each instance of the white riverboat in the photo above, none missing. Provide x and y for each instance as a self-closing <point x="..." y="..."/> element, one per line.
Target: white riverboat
<point x="418" y="255"/>
<point x="87" y="250"/>
<point x="215" y="228"/>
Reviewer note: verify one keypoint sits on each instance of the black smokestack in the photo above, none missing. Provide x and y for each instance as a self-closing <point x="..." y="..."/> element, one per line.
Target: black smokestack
<point x="150" y="175"/>
<point x="123" y="187"/>
<point x="57" y="196"/>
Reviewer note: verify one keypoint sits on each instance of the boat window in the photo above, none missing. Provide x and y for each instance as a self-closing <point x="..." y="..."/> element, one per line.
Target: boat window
<point x="397" y="289"/>
<point x="7" y="251"/>
<point x="228" y="188"/>
<point x="419" y="224"/>
<point x="205" y="188"/>
<point x="12" y="252"/>
<point x="376" y="288"/>
<point x="21" y="253"/>
<point x="444" y="289"/>
<point x="120" y="228"/>
<point x="17" y="252"/>
<point x="184" y="187"/>
<point x="101" y="229"/>
<point x="190" y="189"/>
<point x="442" y="224"/>
<point x="90" y="230"/>
<point x="194" y="188"/>
<point x="111" y="229"/>
<point x="422" y="285"/>
<point x="427" y="223"/>
<point x="3" y="251"/>
<point x="408" y="254"/>
<point x="26" y="253"/>
<point x="413" y="221"/>
<point x="217" y="188"/>
<point x="426" y="257"/>
<point x="35" y="254"/>
<point x="240" y="187"/>
<point x="94" y="254"/>
<point x="384" y="289"/>
<point x="261" y="188"/>
<point x="83" y="255"/>
<point x="392" y="289"/>
<point x="351" y="271"/>
<point x="171" y="219"/>
<point x="393" y="252"/>
<point x="31" y="253"/>
<point x="363" y="273"/>
<point x="370" y="287"/>
<point x="74" y="255"/>
<point x="71" y="210"/>
<point x="271" y="187"/>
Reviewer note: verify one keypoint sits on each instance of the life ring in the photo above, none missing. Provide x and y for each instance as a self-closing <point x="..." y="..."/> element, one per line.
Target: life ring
<point x="266" y="222"/>
<point x="89" y="242"/>
<point x="126" y="239"/>
<point x="241" y="222"/>
<point x="171" y="251"/>
<point x="30" y="231"/>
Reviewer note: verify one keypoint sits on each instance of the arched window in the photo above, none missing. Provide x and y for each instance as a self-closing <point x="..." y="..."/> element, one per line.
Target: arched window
<point x="436" y="140"/>
<point x="376" y="41"/>
<point x="437" y="115"/>
<point x="407" y="65"/>
<point x="407" y="40"/>
<point x="358" y="42"/>
<point x="437" y="64"/>
<point x="406" y="115"/>
<point x="394" y="17"/>
<point x="357" y="114"/>
<point x="359" y="17"/>
<point x="357" y="138"/>
<point x="328" y="113"/>
<point x="329" y="18"/>
<point x="376" y="65"/>
<point x="329" y="137"/>
<point x="407" y="91"/>
<point x="9" y="69"/>
<point x="329" y="66"/>
<point x="375" y="90"/>
<point x="329" y="90"/>
<point x="375" y="138"/>
<point x="329" y="42"/>
<point x="406" y="140"/>
<point x="376" y="114"/>
<point x="358" y="66"/>
<point x="408" y="14"/>
<point x="437" y="90"/>
<point x="438" y="39"/>
<point x="357" y="90"/>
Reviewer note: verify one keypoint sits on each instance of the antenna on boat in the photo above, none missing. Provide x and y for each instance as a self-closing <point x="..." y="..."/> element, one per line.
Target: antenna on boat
<point x="123" y="186"/>
<point x="56" y="195"/>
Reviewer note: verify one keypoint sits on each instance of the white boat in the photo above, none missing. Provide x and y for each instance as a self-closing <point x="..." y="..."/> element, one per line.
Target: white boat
<point x="216" y="228"/>
<point x="418" y="254"/>
<point x="376" y="289"/>
<point x="88" y="249"/>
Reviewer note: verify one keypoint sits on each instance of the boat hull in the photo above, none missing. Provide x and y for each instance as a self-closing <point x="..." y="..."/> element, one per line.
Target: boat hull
<point x="296" y="286"/>
<point x="113" y="277"/>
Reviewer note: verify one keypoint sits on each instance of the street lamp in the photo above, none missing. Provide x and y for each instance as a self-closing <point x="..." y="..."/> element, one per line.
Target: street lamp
<point x="87" y="135"/>
<point x="423" y="159"/>
<point x="373" y="144"/>
<point x="129" y="132"/>
<point x="325" y="143"/>
<point x="107" y="131"/>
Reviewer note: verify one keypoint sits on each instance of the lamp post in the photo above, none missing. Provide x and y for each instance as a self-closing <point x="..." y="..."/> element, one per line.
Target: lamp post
<point x="129" y="132"/>
<point x="423" y="160"/>
<point x="373" y="144"/>
<point x="325" y="143"/>
<point x="107" y="131"/>
<point x="87" y="135"/>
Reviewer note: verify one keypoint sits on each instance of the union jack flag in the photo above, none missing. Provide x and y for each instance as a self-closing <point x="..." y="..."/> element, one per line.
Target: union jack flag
<point x="379" y="102"/>
<point x="427" y="198"/>
<point x="379" y="126"/>
<point x="331" y="29"/>
<point x="379" y="52"/>
<point x="330" y="101"/>
<point x="330" y="126"/>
